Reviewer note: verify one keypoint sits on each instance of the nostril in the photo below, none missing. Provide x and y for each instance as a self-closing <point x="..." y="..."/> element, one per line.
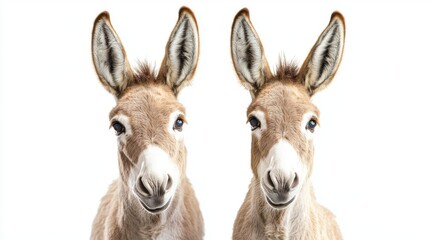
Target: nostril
<point x="142" y="187"/>
<point x="169" y="182"/>
<point x="270" y="182"/>
<point x="295" y="182"/>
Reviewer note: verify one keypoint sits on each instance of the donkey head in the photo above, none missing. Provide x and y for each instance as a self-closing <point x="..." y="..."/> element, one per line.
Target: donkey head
<point x="147" y="118"/>
<point x="281" y="115"/>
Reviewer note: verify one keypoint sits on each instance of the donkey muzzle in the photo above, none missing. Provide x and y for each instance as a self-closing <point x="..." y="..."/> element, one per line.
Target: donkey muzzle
<point x="154" y="195"/>
<point x="279" y="188"/>
<point x="157" y="180"/>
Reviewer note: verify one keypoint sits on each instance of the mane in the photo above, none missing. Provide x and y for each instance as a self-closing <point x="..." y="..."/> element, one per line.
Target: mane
<point x="286" y="70"/>
<point x="145" y="73"/>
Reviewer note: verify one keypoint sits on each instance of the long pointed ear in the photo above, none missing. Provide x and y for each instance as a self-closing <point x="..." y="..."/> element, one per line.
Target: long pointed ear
<point x="109" y="56"/>
<point x="247" y="53"/>
<point x="322" y="62"/>
<point x="181" y="52"/>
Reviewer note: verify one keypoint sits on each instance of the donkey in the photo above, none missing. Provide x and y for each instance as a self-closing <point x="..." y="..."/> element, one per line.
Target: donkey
<point x="152" y="198"/>
<point x="280" y="203"/>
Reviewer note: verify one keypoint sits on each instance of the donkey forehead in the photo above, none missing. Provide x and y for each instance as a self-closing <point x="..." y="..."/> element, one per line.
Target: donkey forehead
<point x="148" y="102"/>
<point x="283" y="99"/>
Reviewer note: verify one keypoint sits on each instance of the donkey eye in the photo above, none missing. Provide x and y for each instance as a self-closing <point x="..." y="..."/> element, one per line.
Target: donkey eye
<point x="254" y="123"/>
<point x="311" y="125"/>
<point x="178" y="124"/>
<point x="119" y="128"/>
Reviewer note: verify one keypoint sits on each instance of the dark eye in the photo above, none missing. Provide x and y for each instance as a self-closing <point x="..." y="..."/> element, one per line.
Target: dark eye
<point x="254" y="123"/>
<point x="178" y="124"/>
<point x="311" y="125"/>
<point x="119" y="128"/>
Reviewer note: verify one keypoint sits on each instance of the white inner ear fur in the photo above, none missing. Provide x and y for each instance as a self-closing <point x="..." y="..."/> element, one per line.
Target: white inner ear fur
<point x="261" y="117"/>
<point x="108" y="55"/>
<point x="178" y="135"/>
<point x="244" y="40"/>
<point x="124" y="120"/>
<point x="327" y="54"/>
<point x="183" y="50"/>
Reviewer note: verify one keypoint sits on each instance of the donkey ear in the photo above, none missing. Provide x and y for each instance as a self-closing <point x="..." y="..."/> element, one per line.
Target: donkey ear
<point x="109" y="56"/>
<point x="248" y="53"/>
<point x="181" y="53"/>
<point x="324" y="58"/>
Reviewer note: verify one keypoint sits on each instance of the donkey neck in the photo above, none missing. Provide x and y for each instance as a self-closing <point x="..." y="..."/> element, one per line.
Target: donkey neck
<point x="290" y="223"/>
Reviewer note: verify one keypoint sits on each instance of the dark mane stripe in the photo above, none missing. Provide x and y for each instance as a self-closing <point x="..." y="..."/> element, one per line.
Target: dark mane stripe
<point x="145" y="73"/>
<point x="286" y="70"/>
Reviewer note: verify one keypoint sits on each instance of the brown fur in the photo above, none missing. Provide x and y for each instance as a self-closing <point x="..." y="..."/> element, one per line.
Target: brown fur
<point x="148" y="100"/>
<point x="120" y="214"/>
<point x="284" y="97"/>
<point x="286" y="70"/>
<point x="283" y="102"/>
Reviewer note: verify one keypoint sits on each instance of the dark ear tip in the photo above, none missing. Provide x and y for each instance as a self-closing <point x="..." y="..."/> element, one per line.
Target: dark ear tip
<point x="186" y="11"/>
<point x="102" y="18"/>
<point x="337" y="15"/>
<point x="243" y="12"/>
<point x="103" y="15"/>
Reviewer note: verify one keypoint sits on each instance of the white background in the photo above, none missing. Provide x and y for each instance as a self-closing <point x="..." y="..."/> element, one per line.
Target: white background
<point x="58" y="155"/>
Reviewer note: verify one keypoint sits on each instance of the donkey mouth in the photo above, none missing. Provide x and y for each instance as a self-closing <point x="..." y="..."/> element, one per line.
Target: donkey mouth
<point x="155" y="209"/>
<point x="279" y="205"/>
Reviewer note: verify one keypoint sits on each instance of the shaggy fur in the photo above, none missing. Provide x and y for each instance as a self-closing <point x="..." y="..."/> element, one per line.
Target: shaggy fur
<point x="286" y="70"/>
<point x="147" y="100"/>
<point x="284" y="98"/>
